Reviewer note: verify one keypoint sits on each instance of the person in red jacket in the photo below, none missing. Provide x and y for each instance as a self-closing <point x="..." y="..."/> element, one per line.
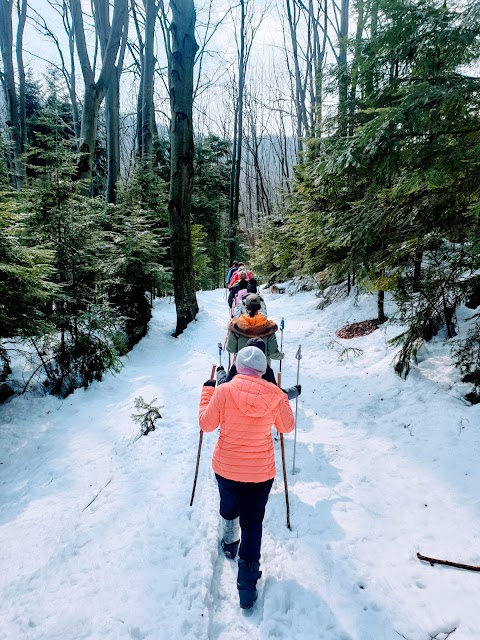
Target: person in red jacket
<point x="246" y="409"/>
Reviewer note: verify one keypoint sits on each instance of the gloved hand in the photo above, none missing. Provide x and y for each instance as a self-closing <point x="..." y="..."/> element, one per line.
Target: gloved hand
<point x="220" y="368"/>
<point x="298" y="387"/>
<point x="209" y="383"/>
<point x="282" y="356"/>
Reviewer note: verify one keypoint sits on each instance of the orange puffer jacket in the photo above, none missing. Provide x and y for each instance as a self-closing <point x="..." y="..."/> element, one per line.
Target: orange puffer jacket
<point x="246" y="409"/>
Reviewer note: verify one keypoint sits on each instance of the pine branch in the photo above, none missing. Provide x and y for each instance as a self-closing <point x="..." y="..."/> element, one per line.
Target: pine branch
<point x="148" y="417"/>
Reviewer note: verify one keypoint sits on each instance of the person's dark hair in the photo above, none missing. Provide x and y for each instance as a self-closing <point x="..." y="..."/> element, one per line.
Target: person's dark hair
<point x="252" y="286"/>
<point x="257" y="342"/>
<point x="252" y="304"/>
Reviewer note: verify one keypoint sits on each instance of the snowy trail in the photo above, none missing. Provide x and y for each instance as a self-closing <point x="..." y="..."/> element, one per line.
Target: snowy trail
<point x="385" y="468"/>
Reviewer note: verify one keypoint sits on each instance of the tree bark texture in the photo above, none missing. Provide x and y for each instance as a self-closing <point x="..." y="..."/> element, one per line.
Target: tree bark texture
<point x="181" y="61"/>
<point x="237" y="143"/>
<point x="380" y="305"/>
<point x="147" y="84"/>
<point x="22" y="102"/>
<point x="11" y="100"/>
<point x="343" y="79"/>
<point x="95" y="90"/>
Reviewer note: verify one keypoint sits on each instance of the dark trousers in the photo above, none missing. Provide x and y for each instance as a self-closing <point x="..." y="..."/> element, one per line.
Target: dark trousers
<point x="247" y="500"/>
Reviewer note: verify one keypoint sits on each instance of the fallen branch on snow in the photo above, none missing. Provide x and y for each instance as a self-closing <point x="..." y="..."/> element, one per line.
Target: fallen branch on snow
<point x="458" y="565"/>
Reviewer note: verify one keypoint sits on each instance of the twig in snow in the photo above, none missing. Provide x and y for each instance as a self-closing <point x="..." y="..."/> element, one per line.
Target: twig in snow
<point x="345" y="351"/>
<point x="458" y="565"/>
<point x="401" y="634"/>
<point x="447" y="634"/>
<point x="95" y="497"/>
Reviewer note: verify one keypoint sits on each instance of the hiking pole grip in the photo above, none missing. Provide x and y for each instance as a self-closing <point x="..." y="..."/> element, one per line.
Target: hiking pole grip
<point x="200" y="441"/>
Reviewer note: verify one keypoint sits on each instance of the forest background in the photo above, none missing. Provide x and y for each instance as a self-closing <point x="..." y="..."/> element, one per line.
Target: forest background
<point x="146" y="144"/>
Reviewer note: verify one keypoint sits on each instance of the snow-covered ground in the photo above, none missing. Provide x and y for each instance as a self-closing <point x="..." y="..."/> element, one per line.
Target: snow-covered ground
<point x="384" y="468"/>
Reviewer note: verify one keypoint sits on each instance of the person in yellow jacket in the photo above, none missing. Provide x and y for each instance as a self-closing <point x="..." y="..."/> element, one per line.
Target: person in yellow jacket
<point x="246" y="409"/>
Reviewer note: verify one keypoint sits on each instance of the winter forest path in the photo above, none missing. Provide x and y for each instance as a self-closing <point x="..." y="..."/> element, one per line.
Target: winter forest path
<point x="99" y="541"/>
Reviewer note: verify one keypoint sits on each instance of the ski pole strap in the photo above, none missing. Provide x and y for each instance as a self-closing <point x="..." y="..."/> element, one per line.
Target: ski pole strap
<point x="298" y="355"/>
<point x="282" y="324"/>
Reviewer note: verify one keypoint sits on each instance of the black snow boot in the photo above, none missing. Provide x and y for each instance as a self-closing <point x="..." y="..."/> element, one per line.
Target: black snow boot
<point x="248" y="574"/>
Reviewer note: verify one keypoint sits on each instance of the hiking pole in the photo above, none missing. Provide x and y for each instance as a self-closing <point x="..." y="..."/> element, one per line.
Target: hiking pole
<point x="282" y="327"/>
<point x="220" y="349"/>
<point x="287" y="503"/>
<point x="200" y="440"/>
<point x="298" y="356"/>
<point x="284" y="466"/>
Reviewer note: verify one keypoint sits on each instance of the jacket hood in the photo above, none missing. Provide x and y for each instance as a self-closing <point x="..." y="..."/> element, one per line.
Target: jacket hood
<point x="257" y="327"/>
<point x="253" y="396"/>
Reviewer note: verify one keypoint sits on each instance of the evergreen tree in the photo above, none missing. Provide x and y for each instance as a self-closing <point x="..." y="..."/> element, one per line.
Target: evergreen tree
<point x="399" y="192"/>
<point x="209" y="210"/>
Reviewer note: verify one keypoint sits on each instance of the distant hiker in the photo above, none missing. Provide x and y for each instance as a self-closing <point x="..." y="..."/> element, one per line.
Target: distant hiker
<point x="241" y="309"/>
<point x="235" y="276"/>
<point x="253" y="325"/>
<point x="231" y="271"/>
<point x="269" y="376"/>
<point x="243" y="460"/>
<point x="237" y="304"/>
<point x="241" y="284"/>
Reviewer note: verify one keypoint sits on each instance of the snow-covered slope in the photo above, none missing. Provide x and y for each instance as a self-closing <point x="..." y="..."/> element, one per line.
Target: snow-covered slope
<point x="384" y="468"/>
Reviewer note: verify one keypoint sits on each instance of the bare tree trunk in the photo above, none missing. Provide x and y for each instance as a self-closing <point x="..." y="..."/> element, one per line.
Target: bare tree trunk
<point x="148" y="70"/>
<point x="232" y="227"/>
<point x="380" y="305"/>
<point x="181" y="61"/>
<point x="22" y="103"/>
<point x="95" y="90"/>
<point x="299" y="97"/>
<point x="238" y="136"/>
<point x="343" y="80"/>
<point x="112" y="108"/>
<point x="356" y="62"/>
<point x="417" y="269"/>
<point x="11" y="100"/>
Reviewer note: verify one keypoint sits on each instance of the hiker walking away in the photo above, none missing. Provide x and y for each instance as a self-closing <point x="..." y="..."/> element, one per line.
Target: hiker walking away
<point x="243" y="460"/>
<point x="253" y="325"/>
<point x="231" y="271"/>
<point x="269" y="375"/>
<point x="235" y="276"/>
<point x="241" y="285"/>
<point x="240" y="309"/>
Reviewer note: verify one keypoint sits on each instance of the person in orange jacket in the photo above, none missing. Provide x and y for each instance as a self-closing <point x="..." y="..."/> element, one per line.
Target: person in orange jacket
<point x="246" y="409"/>
<point x="253" y="324"/>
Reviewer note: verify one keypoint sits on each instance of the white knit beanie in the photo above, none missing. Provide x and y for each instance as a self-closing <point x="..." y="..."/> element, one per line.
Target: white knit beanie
<point x="251" y="361"/>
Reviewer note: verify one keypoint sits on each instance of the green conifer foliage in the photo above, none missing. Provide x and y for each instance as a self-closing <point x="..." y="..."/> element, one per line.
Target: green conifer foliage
<point x="139" y="265"/>
<point x="25" y="274"/>
<point x="396" y="200"/>
<point x="209" y="210"/>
